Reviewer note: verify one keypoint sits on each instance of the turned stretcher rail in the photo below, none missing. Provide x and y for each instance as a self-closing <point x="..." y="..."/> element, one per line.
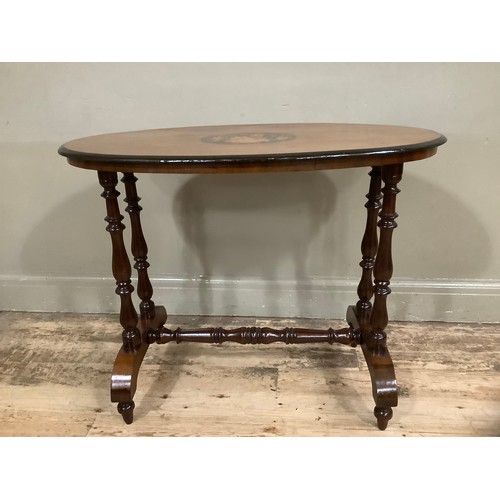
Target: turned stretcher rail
<point x="256" y="335"/>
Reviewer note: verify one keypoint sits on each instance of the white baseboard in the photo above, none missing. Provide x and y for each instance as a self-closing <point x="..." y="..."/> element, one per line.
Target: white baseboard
<point x="411" y="300"/>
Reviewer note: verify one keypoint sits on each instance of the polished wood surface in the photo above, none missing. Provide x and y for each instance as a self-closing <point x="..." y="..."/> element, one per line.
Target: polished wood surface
<point x="254" y="335"/>
<point x="243" y="149"/>
<point x="252" y="148"/>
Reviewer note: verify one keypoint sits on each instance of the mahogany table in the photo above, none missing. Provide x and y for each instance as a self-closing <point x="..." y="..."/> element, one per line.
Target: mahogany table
<point x="245" y="149"/>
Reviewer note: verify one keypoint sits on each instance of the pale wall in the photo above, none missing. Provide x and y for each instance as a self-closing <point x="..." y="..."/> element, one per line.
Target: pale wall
<point x="263" y="244"/>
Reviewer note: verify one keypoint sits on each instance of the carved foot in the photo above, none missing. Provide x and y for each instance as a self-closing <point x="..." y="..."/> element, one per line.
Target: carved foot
<point x="383" y="416"/>
<point x="381" y="368"/>
<point x="126" y="410"/>
<point x="127" y="365"/>
<point x="384" y="386"/>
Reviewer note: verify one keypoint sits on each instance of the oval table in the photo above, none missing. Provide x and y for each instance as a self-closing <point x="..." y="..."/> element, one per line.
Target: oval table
<point x="245" y="149"/>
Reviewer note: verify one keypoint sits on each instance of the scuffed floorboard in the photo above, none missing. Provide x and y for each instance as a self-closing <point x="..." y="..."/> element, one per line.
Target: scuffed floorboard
<point x="55" y="371"/>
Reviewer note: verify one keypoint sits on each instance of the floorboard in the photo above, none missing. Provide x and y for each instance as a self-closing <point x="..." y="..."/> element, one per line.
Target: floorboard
<point x="55" y="374"/>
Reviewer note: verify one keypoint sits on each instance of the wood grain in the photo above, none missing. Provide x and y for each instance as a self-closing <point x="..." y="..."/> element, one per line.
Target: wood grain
<point x="55" y="381"/>
<point x="252" y="148"/>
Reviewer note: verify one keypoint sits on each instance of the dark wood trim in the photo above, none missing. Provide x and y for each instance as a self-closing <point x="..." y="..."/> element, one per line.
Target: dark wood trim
<point x="181" y="150"/>
<point x="254" y="165"/>
<point x="225" y="159"/>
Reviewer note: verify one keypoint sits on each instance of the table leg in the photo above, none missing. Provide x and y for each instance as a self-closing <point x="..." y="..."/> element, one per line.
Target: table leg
<point x="139" y="247"/>
<point x="372" y="321"/>
<point x="369" y="246"/>
<point x="135" y="330"/>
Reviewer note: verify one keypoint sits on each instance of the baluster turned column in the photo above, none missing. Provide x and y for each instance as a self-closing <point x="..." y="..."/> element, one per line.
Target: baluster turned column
<point x="139" y="247"/>
<point x="369" y="246"/>
<point x="122" y="270"/>
<point x="385" y="392"/>
<point x="382" y="271"/>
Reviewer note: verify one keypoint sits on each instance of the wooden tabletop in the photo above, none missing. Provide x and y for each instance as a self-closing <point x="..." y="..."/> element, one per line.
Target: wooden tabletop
<point x="252" y="148"/>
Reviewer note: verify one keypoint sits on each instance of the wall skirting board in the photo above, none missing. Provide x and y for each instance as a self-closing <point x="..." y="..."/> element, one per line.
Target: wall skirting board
<point x="469" y="301"/>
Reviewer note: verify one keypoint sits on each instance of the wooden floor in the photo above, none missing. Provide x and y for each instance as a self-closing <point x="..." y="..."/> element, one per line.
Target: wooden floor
<point x="55" y="371"/>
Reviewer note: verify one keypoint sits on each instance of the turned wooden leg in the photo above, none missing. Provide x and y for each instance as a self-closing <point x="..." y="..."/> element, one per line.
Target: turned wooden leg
<point x="370" y="320"/>
<point x="131" y="336"/>
<point x="382" y="271"/>
<point x="369" y="246"/>
<point x="139" y="247"/>
<point x="136" y="330"/>
<point x="122" y="270"/>
<point x="385" y="393"/>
